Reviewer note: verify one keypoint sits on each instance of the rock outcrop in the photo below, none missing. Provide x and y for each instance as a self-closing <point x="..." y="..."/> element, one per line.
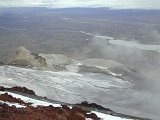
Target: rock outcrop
<point x="59" y="62"/>
<point x="24" y="57"/>
<point x="54" y="62"/>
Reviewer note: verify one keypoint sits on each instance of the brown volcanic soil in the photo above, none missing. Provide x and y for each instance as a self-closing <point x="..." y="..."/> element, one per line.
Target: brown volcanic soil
<point x="18" y="89"/>
<point x="44" y="113"/>
<point x="5" y="97"/>
<point x="40" y="112"/>
<point x="22" y="90"/>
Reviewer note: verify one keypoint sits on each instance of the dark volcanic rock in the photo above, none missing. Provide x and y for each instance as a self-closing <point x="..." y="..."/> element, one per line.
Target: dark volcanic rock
<point x="92" y="116"/>
<point x="22" y="90"/>
<point x="2" y="88"/>
<point x="93" y="105"/>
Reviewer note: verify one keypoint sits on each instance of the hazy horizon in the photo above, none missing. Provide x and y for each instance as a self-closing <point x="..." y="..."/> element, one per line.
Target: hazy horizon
<point x="113" y="4"/>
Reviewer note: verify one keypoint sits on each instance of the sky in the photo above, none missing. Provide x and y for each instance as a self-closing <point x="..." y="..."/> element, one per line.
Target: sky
<point x="118" y="4"/>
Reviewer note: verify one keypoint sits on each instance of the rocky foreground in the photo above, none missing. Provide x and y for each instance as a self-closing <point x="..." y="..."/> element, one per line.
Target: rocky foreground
<point x="19" y="103"/>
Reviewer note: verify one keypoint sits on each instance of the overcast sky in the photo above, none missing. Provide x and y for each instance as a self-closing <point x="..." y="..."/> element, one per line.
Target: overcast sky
<point x="142" y="4"/>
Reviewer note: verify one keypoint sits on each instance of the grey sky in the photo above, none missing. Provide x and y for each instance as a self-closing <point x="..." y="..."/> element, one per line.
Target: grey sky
<point x="143" y="4"/>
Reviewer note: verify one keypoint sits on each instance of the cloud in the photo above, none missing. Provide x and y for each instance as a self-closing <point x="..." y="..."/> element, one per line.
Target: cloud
<point x="143" y="4"/>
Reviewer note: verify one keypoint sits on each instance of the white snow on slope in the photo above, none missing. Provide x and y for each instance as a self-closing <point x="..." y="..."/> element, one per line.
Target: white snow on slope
<point x="13" y="104"/>
<point x="108" y="117"/>
<point x="34" y="102"/>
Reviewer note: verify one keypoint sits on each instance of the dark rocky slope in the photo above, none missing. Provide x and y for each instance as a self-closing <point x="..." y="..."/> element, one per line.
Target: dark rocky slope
<point x="80" y="111"/>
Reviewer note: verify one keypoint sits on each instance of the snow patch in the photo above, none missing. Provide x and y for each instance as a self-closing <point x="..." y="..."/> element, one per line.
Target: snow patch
<point x="108" y="117"/>
<point x="34" y="102"/>
<point x="13" y="104"/>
